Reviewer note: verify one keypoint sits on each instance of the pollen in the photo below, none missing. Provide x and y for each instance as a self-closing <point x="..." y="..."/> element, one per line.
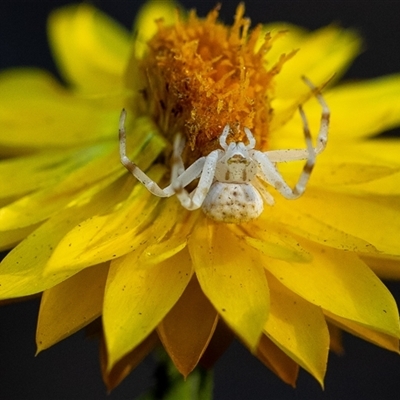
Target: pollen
<point x="202" y="75"/>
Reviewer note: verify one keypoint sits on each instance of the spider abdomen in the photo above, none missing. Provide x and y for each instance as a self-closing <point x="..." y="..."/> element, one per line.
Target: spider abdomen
<point x="233" y="202"/>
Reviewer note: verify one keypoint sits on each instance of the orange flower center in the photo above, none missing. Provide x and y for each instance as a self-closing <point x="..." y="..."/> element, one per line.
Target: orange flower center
<point x="202" y="75"/>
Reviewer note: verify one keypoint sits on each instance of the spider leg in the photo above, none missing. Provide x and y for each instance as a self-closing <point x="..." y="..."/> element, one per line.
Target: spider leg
<point x="187" y="176"/>
<point x="224" y="135"/>
<point x="250" y="138"/>
<point x="203" y="167"/>
<point x="287" y="155"/>
<point x="177" y="166"/>
<point x="271" y="175"/>
<point x="322" y="137"/>
<point x="181" y="177"/>
<point x="267" y="196"/>
<point x="134" y="169"/>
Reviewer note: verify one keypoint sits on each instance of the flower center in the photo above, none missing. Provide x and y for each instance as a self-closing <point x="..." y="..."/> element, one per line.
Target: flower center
<point x="202" y="75"/>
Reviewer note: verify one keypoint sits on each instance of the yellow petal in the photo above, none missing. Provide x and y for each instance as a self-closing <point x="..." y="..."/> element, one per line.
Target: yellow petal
<point x="354" y="222"/>
<point x="104" y="237"/>
<point x="11" y="238"/>
<point x="287" y="37"/>
<point x="321" y="54"/>
<point x="187" y="329"/>
<point x="37" y="206"/>
<point x="232" y="278"/>
<point x="125" y="366"/>
<point x="175" y="241"/>
<point x="70" y="305"/>
<point x="360" y="161"/>
<point x="298" y="328"/>
<point x="90" y="48"/>
<point x="374" y="219"/>
<point x="145" y="24"/>
<point x="384" y="267"/>
<point x="375" y="101"/>
<point x="342" y="284"/>
<point x="137" y="299"/>
<point x="220" y="341"/>
<point x="378" y="338"/>
<point x="361" y="170"/>
<point x="358" y="179"/>
<point x="92" y="169"/>
<point x="23" y="270"/>
<point x="271" y="240"/>
<point x="284" y="217"/>
<point x="144" y="28"/>
<point x="368" y="167"/>
<point x="277" y="360"/>
<point x="335" y="336"/>
<point x="37" y="112"/>
<point x="32" y="172"/>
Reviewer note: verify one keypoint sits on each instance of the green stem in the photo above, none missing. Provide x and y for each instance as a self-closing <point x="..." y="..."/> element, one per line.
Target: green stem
<point x="170" y="384"/>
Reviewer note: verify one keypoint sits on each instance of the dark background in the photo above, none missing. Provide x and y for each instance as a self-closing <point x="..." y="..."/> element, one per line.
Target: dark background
<point x="70" y="370"/>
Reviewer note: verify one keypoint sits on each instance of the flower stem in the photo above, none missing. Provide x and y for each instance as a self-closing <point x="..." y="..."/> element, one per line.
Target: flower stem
<point x="171" y="385"/>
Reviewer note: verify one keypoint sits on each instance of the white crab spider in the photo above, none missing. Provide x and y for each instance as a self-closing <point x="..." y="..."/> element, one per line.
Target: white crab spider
<point x="230" y="188"/>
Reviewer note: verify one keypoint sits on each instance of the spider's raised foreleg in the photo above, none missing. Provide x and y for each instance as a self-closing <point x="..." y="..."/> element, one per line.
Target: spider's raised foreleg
<point x="203" y="167"/>
<point x="322" y="138"/>
<point x="271" y="175"/>
<point x="177" y="166"/>
<point x="134" y="169"/>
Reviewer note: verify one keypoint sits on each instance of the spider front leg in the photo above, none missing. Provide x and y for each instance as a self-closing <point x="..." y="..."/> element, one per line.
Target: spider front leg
<point x="204" y="168"/>
<point x="322" y="138"/>
<point x="134" y="169"/>
<point x="207" y="166"/>
<point x="177" y="166"/>
<point x="271" y="175"/>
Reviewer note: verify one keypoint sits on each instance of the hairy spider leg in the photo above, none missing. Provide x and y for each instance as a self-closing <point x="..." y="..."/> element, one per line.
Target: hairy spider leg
<point x="270" y="174"/>
<point x="195" y="199"/>
<point x="225" y="133"/>
<point x="222" y="138"/>
<point x="322" y="138"/>
<point x="177" y="166"/>
<point x="133" y="168"/>
<point x="267" y="196"/>
<point x="250" y="138"/>
<point x="180" y="176"/>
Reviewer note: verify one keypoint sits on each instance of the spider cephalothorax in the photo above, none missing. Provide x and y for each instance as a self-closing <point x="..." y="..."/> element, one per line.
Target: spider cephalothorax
<point x="230" y="187"/>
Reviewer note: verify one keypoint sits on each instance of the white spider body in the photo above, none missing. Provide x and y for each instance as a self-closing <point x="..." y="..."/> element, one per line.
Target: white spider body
<point x="230" y="187"/>
<point x="233" y="202"/>
<point x="235" y="164"/>
<point x="232" y="196"/>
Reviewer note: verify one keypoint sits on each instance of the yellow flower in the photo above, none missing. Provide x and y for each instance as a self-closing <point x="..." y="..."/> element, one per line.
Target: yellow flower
<point x="97" y="243"/>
